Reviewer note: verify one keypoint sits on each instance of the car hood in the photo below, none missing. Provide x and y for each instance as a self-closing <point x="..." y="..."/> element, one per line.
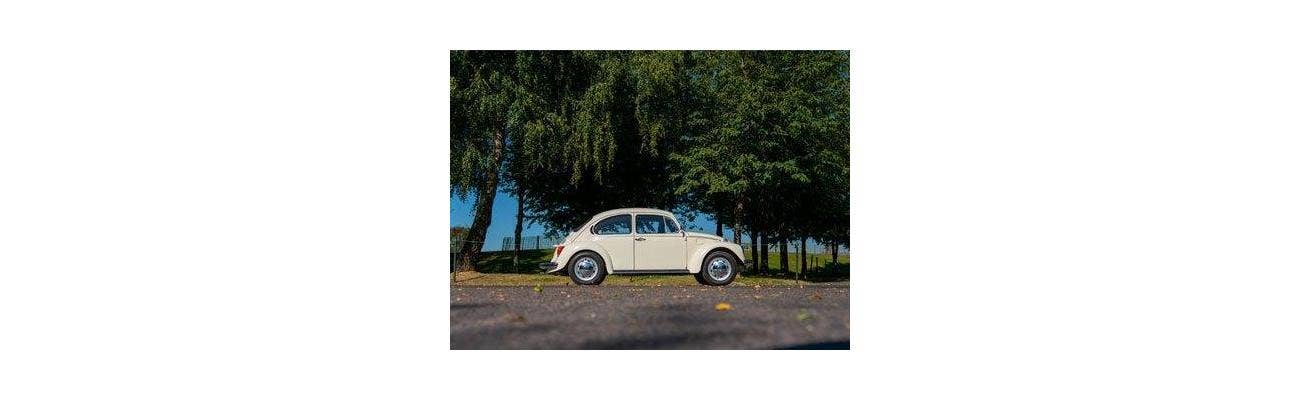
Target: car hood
<point x="703" y="236"/>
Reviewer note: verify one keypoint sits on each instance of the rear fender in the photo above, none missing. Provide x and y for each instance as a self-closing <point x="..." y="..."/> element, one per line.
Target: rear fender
<point x="562" y="260"/>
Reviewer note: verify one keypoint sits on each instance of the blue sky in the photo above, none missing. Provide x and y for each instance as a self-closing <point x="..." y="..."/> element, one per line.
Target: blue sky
<point x="503" y="220"/>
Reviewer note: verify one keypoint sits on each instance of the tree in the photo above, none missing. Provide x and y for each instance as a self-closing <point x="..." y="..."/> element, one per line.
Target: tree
<point x="482" y="91"/>
<point x="758" y="139"/>
<point x="821" y="103"/>
<point x="762" y="115"/>
<point x="538" y="114"/>
<point x="609" y="130"/>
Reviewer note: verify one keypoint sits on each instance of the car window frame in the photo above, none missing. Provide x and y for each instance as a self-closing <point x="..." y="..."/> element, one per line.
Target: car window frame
<point x="673" y="219"/>
<point x="666" y="219"/>
<point x="631" y="220"/>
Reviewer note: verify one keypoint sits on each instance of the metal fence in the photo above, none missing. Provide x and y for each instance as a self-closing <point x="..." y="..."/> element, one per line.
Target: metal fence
<point x="547" y="242"/>
<point x="530" y="242"/>
<point x="458" y="243"/>
<point x="819" y="257"/>
<point x="793" y="247"/>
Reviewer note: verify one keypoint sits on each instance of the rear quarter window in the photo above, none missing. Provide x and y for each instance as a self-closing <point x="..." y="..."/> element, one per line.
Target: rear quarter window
<point x="615" y="225"/>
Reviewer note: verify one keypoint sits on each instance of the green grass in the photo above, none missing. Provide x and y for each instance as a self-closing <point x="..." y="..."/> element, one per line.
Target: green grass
<point x="501" y="263"/>
<point x="482" y="279"/>
<point x="816" y="262"/>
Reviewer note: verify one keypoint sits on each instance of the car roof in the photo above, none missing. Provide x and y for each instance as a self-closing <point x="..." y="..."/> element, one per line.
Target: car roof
<point x="630" y="211"/>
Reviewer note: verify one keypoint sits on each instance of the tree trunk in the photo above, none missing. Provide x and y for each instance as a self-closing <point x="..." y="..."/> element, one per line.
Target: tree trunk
<point x="785" y="254"/>
<point x="753" y="249"/>
<point x="762" y="255"/>
<point x="485" y="195"/>
<point x="736" y="218"/>
<point x="519" y="226"/>
<point x="719" y="229"/>
<point x="803" y="255"/>
<point x="835" y="254"/>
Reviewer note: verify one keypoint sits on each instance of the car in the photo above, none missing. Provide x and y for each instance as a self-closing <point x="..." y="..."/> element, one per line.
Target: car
<point x="608" y="244"/>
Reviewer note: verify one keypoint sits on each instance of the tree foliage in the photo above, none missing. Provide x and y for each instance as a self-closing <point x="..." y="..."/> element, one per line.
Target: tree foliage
<point x="757" y="138"/>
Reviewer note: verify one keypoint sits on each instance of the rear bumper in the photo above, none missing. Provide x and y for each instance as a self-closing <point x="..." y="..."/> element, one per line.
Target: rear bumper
<point x="549" y="266"/>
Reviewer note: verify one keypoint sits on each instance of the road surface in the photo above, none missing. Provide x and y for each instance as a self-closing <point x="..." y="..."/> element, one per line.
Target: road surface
<point x="648" y="317"/>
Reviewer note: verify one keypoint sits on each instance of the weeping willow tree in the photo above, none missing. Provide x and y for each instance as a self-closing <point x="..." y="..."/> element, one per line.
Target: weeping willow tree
<point x="609" y="121"/>
<point x="482" y="93"/>
<point x="568" y="133"/>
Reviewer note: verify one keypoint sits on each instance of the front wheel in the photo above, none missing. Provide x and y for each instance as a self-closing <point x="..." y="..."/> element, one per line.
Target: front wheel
<point x="587" y="268"/>
<point x="719" y="269"/>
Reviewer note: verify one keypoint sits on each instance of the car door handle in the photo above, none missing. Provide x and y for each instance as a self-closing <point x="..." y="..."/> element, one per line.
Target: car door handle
<point x="639" y="239"/>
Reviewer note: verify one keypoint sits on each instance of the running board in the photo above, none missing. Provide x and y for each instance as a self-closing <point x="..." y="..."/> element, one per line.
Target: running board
<point x="652" y="271"/>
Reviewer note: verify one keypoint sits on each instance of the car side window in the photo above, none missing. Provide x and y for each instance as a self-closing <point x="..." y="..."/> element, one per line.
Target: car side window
<point x="651" y="223"/>
<point x="616" y="225"/>
<point x="672" y="225"/>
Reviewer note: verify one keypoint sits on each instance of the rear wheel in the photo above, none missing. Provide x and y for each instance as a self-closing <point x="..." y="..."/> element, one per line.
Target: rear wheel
<point x="698" y="278"/>
<point x="719" y="269"/>
<point x="586" y="268"/>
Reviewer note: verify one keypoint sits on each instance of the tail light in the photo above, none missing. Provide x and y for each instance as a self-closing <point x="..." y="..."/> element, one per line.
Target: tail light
<point x="558" y="249"/>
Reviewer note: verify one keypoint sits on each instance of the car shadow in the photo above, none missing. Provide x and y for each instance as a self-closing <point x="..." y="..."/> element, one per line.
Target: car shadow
<point x="819" y="346"/>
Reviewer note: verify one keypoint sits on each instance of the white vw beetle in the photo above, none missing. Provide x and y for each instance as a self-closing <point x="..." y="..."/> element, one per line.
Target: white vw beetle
<point x="644" y="241"/>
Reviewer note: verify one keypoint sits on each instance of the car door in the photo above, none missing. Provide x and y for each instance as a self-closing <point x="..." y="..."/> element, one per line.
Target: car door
<point x="614" y="234"/>
<point x="659" y="242"/>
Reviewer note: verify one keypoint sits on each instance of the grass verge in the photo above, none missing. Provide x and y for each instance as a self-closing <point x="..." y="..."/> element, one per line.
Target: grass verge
<point x="491" y="279"/>
<point x="503" y="262"/>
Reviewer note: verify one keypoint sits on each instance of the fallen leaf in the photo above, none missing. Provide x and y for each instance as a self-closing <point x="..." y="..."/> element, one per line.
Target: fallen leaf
<point x="804" y="315"/>
<point x="537" y="288"/>
<point x="722" y="307"/>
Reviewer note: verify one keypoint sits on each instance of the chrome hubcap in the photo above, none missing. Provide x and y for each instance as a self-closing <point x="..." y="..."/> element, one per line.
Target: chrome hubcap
<point x="585" y="269"/>
<point x="719" y="269"/>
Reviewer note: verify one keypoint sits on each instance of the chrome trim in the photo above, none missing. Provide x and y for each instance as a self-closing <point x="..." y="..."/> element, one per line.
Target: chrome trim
<point x="585" y="268"/>
<point x="651" y="271"/>
<point x="719" y="268"/>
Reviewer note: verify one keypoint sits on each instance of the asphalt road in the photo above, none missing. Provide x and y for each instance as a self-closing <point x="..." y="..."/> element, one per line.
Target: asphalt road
<point x="648" y="317"/>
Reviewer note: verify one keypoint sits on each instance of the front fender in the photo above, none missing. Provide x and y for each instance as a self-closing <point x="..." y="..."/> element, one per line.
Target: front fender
<point x="696" y="261"/>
